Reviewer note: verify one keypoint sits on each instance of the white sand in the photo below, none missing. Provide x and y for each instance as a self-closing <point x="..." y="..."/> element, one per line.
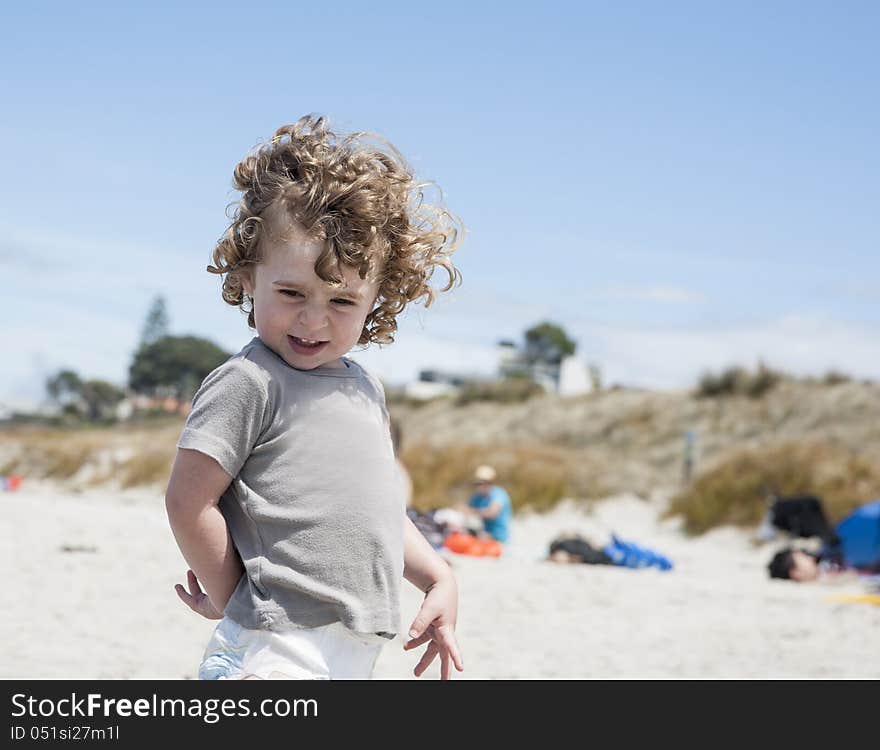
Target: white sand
<point x="113" y="613"/>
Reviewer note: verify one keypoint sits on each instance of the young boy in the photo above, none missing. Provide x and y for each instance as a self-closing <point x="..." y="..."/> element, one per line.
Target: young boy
<point x="284" y="497"/>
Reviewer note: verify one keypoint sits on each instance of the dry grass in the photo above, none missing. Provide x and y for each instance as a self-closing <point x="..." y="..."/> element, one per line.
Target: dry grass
<point x="149" y="467"/>
<point x="50" y="453"/>
<point x="821" y="440"/>
<point x="739" y="381"/>
<point x="534" y="475"/>
<point x="507" y="391"/>
<point x="124" y="455"/>
<point x="733" y="491"/>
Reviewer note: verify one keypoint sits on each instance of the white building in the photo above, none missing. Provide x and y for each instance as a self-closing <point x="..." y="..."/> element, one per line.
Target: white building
<point x="574" y="377"/>
<point x="434" y="383"/>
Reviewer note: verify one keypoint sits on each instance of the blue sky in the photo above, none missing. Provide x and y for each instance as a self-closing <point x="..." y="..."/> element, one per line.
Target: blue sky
<point x="682" y="186"/>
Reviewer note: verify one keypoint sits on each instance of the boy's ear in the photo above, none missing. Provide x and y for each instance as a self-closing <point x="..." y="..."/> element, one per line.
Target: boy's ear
<point x="247" y="281"/>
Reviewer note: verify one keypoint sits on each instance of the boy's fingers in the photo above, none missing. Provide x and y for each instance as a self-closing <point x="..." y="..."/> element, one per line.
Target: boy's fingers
<point x="444" y="636"/>
<point x="423" y="620"/>
<point x="451" y="647"/>
<point x="193" y="582"/>
<point x="426" y="659"/>
<point x="426" y="636"/>
<point x="455" y="655"/>
<point x="184" y="597"/>
<point x="447" y="637"/>
<point x="444" y="666"/>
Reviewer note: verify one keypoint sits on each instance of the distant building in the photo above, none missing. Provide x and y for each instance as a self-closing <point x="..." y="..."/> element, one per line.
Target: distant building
<point x="571" y="377"/>
<point x="142" y="402"/>
<point x="574" y="377"/>
<point x="434" y="383"/>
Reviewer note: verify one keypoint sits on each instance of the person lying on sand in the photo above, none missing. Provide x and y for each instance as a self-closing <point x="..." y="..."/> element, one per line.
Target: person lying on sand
<point x="576" y="549"/>
<point x="855" y="546"/>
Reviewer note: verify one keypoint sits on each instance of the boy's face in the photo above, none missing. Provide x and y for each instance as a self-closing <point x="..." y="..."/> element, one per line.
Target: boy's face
<point x="302" y="318"/>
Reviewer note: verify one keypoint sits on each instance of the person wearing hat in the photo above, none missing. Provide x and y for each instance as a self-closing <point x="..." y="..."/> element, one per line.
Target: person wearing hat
<point x="491" y="504"/>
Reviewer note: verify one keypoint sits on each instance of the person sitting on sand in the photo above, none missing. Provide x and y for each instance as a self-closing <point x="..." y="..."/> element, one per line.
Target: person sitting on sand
<point x="490" y="504"/>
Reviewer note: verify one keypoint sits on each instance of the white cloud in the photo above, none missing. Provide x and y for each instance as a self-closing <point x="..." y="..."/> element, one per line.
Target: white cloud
<point x="675" y="357"/>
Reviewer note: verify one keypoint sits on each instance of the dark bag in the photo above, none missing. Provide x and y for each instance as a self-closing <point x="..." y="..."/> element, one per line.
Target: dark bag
<point x="578" y="547"/>
<point x="803" y="516"/>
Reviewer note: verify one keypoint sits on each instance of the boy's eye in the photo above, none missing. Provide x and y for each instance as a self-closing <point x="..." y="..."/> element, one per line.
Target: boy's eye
<point x="291" y="293"/>
<point x="344" y="301"/>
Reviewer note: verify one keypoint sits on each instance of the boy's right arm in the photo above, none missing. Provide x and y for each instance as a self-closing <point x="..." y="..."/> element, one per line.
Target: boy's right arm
<point x="194" y="490"/>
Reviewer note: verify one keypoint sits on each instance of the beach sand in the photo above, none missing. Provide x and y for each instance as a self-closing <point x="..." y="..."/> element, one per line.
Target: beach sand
<point x="106" y="607"/>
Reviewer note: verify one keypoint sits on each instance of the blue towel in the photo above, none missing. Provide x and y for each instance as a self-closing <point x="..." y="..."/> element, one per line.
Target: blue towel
<point x="631" y="555"/>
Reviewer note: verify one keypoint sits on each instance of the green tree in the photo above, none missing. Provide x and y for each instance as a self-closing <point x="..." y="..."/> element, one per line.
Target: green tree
<point x="174" y="365"/>
<point x="64" y="387"/>
<point x="100" y="398"/>
<point x="156" y="324"/>
<point x="547" y="343"/>
<point x="94" y="400"/>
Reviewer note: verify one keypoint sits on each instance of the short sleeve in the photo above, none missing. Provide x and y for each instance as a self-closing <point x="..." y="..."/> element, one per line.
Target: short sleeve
<point x="229" y="413"/>
<point x="379" y="389"/>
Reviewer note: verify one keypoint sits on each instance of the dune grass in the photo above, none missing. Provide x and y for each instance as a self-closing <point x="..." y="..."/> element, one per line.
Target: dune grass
<point x="128" y="455"/>
<point x="535" y="475"/>
<point x="734" y="490"/>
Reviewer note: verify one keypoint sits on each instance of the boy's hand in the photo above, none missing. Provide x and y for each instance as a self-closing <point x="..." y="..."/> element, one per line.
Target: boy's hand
<point x="435" y="622"/>
<point x="197" y="600"/>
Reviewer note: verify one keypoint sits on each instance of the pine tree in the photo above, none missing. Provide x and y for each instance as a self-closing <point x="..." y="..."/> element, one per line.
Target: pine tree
<point x="156" y="324"/>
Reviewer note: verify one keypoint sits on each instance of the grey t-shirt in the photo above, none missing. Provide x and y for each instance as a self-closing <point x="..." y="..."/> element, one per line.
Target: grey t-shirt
<point x="315" y="508"/>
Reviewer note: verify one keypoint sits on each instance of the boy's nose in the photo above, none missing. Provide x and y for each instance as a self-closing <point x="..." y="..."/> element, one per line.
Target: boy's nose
<point x="312" y="318"/>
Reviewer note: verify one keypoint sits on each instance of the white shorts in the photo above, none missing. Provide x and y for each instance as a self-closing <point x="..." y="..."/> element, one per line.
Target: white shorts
<point x="329" y="652"/>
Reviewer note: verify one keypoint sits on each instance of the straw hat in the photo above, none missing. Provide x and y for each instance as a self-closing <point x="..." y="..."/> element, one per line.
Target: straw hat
<point x="484" y="474"/>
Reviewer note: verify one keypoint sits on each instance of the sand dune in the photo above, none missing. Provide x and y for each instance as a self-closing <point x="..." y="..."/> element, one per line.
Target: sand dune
<point x="91" y="596"/>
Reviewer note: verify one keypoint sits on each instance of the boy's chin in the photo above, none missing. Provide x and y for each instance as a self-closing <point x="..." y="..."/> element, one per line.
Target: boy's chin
<point x="309" y="363"/>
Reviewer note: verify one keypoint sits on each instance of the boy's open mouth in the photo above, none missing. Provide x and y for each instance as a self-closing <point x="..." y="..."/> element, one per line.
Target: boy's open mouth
<point x="306" y="346"/>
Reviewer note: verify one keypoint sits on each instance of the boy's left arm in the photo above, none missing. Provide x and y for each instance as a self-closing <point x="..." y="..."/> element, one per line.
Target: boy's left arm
<point x="435" y="622"/>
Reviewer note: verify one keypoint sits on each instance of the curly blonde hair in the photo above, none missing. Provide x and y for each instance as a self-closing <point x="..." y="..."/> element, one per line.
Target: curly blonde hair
<point x="362" y="198"/>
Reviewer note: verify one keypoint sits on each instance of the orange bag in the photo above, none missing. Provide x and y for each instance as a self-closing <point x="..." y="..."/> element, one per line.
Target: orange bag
<point x="460" y="542"/>
<point x="467" y="544"/>
<point x="491" y="548"/>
